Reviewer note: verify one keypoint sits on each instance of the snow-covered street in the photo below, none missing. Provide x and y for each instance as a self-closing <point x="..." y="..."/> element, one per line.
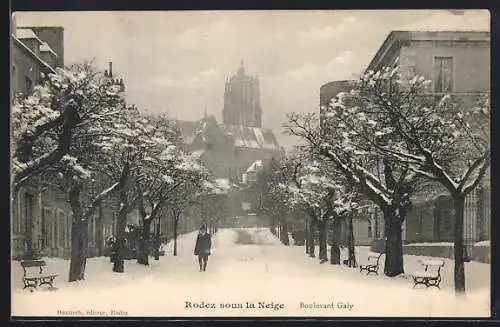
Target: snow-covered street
<point x="248" y="267"/>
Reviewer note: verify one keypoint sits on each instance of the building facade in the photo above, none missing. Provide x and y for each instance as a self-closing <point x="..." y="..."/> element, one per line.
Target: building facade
<point x="458" y="64"/>
<point x="41" y="217"/>
<point x="32" y="60"/>
<point x="230" y="148"/>
<point x="329" y="91"/>
<point x="242" y="100"/>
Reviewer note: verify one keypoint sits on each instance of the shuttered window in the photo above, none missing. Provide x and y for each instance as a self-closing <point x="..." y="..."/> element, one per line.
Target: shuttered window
<point x="443" y="74"/>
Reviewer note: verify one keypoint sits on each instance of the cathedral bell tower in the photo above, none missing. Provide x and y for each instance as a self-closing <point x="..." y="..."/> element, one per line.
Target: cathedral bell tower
<point x="242" y="100"/>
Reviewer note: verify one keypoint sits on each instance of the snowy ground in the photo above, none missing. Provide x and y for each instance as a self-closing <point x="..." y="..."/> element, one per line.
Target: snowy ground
<point x="248" y="267"/>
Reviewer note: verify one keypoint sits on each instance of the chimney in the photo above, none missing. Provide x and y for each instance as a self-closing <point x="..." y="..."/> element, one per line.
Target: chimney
<point x="110" y="69"/>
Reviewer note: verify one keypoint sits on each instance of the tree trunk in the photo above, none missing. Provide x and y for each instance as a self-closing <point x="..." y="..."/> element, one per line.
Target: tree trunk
<point x="143" y="249"/>
<point x="307" y="236"/>
<point x="273" y="227"/>
<point x="121" y="224"/>
<point x="312" y="247"/>
<point x="459" y="247"/>
<point x="176" y="223"/>
<point x="157" y="240"/>
<point x="284" y="234"/>
<point x="323" y="256"/>
<point x="335" y="248"/>
<point x="335" y="254"/>
<point x="79" y="237"/>
<point x="351" y="249"/>
<point x="393" y="242"/>
<point x="100" y="232"/>
<point x="69" y="120"/>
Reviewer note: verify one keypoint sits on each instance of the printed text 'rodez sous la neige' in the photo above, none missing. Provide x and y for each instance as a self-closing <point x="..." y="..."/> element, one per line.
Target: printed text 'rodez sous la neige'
<point x="276" y="306"/>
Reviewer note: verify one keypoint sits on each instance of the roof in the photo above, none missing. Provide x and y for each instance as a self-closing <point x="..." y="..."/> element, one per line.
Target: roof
<point x="26" y="33"/>
<point x="223" y="183"/>
<point x="197" y="154"/>
<point x="331" y="89"/>
<point x="244" y="136"/>
<point x="395" y="39"/>
<point x="252" y="137"/>
<point x="188" y="129"/>
<point x="220" y="186"/>
<point x="45" y="47"/>
<point x="23" y="47"/>
<point x="256" y="166"/>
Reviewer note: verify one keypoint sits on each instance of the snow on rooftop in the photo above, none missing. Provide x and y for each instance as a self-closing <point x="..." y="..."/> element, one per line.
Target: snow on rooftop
<point x="223" y="183"/>
<point x="197" y="154"/>
<point x="45" y="47"/>
<point x="26" y="33"/>
<point x="254" y="167"/>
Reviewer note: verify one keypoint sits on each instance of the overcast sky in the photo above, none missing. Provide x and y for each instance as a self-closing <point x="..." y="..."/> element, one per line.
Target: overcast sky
<point x="178" y="61"/>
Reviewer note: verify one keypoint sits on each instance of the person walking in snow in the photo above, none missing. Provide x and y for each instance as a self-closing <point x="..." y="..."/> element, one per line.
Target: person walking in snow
<point x="202" y="247"/>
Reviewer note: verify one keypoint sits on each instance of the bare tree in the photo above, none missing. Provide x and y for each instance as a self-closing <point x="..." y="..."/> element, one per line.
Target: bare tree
<point x="443" y="139"/>
<point x="44" y="123"/>
<point x="383" y="181"/>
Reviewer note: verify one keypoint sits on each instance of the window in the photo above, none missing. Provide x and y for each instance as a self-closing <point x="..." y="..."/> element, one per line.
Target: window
<point x="369" y="230"/>
<point x="61" y="221"/>
<point x="48" y="222"/>
<point x="29" y="85"/>
<point x="28" y="213"/>
<point x="55" y="226"/>
<point x="17" y="219"/>
<point x="443" y="74"/>
<point x="68" y="230"/>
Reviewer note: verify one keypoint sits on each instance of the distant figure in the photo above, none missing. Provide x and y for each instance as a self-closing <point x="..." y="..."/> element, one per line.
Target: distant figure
<point x="202" y="247"/>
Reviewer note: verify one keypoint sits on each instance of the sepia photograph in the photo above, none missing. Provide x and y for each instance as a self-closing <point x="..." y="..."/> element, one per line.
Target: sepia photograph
<point x="253" y="163"/>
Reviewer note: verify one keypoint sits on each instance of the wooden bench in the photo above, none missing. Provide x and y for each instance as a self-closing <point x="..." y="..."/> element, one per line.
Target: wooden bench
<point x="34" y="280"/>
<point x="372" y="266"/>
<point x="431" y="276"/>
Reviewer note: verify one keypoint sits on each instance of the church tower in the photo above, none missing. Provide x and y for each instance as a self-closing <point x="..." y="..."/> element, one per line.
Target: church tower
<point x="242" y="100"/>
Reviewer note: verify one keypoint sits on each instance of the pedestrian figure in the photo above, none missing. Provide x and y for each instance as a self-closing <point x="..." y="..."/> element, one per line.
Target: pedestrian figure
<point x="202" y="247"/>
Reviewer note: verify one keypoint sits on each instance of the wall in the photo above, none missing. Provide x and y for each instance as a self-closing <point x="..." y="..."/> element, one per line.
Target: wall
<point x="363" y="231"/>
<point x="471" y="62"/>
<point x="330" y="90"/>
<point x="244" y="157"/>
<point x="23" y="65"/>
<point x="49" y="58"/>
<point x="56" y="220"/>
<point x="54" y="36"/>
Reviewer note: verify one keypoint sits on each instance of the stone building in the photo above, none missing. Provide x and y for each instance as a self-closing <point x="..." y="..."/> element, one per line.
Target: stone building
<point x="32" y="59"/>
<point x="230" y="148"/>
<point x="329" y="91"/>
<point x="41" y="216"/>
<point x="457" y="63"/>
<point x="242" y="100"/>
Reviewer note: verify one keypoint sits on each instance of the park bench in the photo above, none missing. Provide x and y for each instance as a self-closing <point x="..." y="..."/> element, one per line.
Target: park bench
<point x="34" y="279"/>
<point x="431" y="276"/>
<point x="373" y="264"/>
